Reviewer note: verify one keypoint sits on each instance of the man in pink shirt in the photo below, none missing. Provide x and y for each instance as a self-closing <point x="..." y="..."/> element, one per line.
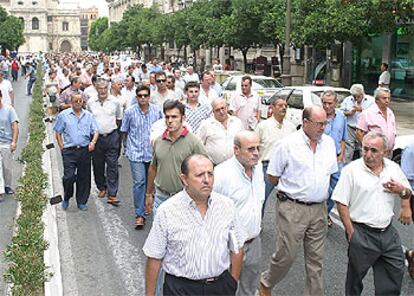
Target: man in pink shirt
<point x="378" y="118"/>
<point x="246" y="105"/>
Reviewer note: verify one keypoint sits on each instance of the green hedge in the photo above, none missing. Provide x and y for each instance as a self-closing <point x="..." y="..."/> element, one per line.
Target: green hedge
<point x="26" y="269"/>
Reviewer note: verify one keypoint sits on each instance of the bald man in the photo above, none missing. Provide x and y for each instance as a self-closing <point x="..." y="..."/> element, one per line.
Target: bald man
<point x="241" y="179"/>
<point x="217" y="132"/>
<point x="302" y="178"/>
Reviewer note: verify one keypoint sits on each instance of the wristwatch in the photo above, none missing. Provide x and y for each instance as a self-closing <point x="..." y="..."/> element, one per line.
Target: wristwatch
<point x="404" y="194"/>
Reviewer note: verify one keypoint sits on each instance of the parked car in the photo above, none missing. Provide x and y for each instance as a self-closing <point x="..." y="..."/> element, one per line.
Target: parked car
<point x="299" y="97"/>
<point x="263" y="86"/>
<point x="222" y="75"/>
<point x="401" y="142"/>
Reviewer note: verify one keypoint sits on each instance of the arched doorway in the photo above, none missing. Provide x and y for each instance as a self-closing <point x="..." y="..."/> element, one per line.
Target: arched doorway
<point x="65" y="46"/>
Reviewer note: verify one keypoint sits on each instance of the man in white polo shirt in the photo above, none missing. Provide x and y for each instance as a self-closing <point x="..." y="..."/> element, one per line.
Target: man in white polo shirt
<point x="365" y="196"/>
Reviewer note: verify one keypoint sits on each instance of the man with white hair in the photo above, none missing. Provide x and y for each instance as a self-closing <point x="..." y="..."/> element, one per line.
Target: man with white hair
<point x="352" y="107"/>
<point x="191" y="76"/>
<point x="379" y="117"/>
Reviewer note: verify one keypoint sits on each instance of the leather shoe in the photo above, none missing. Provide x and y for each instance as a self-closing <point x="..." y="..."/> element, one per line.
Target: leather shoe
<point x="113" y="200"/>
<point x="8" y="190"/>
<point x="263" y="291"/>
<point x="409" y="254"/>
<point x="139" y="222"/>
<point x="65" y="204"/>
<point x="102" y="193"/>
<point x="82" y="207"/>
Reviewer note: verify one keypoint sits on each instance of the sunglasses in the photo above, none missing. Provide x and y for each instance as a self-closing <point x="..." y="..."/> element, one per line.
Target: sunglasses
<point x="143" y="95"/>
<point x="161" y="80"/>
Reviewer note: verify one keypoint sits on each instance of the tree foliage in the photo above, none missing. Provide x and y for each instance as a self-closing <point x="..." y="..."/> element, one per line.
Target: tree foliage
<point x="11" y="31"/>
<point x="96" y="39"/>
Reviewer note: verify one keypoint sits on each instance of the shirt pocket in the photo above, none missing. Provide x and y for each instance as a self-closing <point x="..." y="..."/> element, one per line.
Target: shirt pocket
<point x="84" y="129"/>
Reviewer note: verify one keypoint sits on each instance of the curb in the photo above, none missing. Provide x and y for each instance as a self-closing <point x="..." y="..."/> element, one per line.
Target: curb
<point x="53" y="287"/>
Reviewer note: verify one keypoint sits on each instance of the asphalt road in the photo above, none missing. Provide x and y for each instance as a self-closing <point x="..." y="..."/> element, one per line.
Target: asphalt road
<point x="101" y="252"/>
<point x="8" y="204"/>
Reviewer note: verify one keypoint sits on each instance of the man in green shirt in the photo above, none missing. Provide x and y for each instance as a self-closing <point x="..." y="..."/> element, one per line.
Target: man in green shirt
<point x="170" y="149"/>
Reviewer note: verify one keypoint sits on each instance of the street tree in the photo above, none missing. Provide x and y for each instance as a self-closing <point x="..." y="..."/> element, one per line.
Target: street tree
<point x="11" y="33"/>
<point x="95" y="34"/>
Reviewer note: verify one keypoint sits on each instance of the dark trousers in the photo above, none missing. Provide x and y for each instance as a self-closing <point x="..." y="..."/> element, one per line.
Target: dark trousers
<point x="380" y="250"/>
<point x="77" y="169"/>
<point x="105" y="163"/>
<point x="176" y="286"/>
<point x="30" y="83"/>
<point x="15" y="74"/>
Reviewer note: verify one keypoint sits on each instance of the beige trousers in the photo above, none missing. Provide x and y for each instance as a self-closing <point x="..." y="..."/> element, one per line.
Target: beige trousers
<point x="297" y="223"/>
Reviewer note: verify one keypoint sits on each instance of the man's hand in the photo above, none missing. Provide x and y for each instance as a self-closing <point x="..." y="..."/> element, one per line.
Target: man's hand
<point x="13" y="146"/>
<point x="393" y="186"/>
<point x="350" y="233"/>
<point x="91" y="146"/>
<point x="149" y="203"/>
<point x="405" y="215"/>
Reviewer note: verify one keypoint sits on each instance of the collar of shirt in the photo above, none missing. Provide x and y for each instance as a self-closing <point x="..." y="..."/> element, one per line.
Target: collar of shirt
<point x="365" y="167"/>
<point x="242" y="169"/>
<point x="244" y="96"/>
<point x="378" y="110"/>
<point x="188" y="200"/>
<point x="166" y="136"/>
<point x="307" y="140"/>
<point x="82" y="113"/>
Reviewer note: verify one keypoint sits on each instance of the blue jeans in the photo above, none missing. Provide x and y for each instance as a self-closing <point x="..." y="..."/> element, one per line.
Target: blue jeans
<point x="268" y="186"/>
<point x="30" y="85"/>
<point x="139" y="172"/>
<point x="332" y="184"/>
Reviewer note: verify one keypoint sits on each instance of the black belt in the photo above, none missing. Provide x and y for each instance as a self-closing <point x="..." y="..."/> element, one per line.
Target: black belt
<point x="282" y="196"/>
<point x="76" y="147"/>
<point x="108" y="134"/>
<point x="203" y="281"/>
<point x="374" y="229"/>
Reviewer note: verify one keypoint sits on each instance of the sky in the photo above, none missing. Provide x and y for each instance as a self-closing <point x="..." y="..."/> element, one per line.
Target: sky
<point x="101" y="4"/>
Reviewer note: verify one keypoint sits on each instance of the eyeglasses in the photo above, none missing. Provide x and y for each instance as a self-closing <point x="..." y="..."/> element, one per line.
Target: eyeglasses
<point x="319" y="124"/>
<point x="161" y="80"/>
<point x="143" y="95"/>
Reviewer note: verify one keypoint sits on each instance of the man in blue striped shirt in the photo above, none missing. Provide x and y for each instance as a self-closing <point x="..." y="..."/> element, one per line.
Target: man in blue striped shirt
<point x="136" y="124"/>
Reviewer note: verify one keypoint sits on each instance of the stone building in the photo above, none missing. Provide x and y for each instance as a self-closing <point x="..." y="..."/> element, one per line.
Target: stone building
<point x="87" y="16"/>
<point x="48" y="25"/>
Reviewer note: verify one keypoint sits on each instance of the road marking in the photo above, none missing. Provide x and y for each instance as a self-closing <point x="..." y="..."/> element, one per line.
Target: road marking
<point x="127" y="256"/>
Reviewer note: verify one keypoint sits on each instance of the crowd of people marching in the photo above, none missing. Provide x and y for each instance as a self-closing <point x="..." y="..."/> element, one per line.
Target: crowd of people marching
<point x="205" y="167"/>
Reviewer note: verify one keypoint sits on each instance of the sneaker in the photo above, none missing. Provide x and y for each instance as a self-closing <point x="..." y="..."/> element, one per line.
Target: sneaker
<point x="65" y="204"/>
<point x="8" y="190"/>
<point x="82" y="207"/>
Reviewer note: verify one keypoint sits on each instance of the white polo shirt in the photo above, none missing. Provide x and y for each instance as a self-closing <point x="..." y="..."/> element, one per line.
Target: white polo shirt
<point x="247" y="194"/>
<point x="362" y="192"/>
<point x="106" y="113"/>
<point x="304" y="174"/>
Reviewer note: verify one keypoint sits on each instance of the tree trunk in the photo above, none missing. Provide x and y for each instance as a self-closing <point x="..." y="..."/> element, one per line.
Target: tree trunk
<point x="162" y="53"/>
<point x="244" y="52"/>
<point x="185" y="53"/>
<point x="195" y="58"/>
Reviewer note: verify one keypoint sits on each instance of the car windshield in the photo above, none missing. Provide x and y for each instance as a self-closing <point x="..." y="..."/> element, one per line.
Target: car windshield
<point x="260" y="83"/>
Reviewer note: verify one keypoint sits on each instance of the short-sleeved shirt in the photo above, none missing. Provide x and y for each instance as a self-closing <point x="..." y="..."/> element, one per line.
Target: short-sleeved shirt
<point x="271" y="132"/>
<point x="168" y="157"/>
<point x="195" y="116"/>
<point x="246" y="108"/>
<point x="191" y="246"/>
<point x="304" y="174"/>
<point x="363" y="193"/>
<point x="349" y="102"/>
<point x="6" y="88"/>
<point x="407" y="163"/>
<point x="158" y="99"/>
<point x="336" y="129"/>
<point x="65" y="96"/>
<point x="372" y="119"/>
<point x="129" y="95"/>
<point x="7" y="117"/>
<point x="247" y="193"/>
<point x="106" y="113"/>
<point x="385" y="78"/>
<point x="217" y="139"/>
<point x="207" y="98"/>
<point x="138" y="124"/>
<point x="76" y="130"/>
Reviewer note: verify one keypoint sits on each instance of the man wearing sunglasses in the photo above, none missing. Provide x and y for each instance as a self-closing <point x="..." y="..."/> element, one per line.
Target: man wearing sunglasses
<point x="136" y="126"/>
<point x="162" y="93"/>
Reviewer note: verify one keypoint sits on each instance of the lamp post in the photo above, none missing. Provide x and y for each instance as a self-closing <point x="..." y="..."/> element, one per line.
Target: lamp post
<point x="286" y="76"/>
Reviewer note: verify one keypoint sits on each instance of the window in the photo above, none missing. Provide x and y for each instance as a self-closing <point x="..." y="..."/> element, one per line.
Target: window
<point x="20" y="3"/>
<point x="231" y="85"/>
<point x="284" y="93"/>
<point x="35" y="23"/>
<point x="21" y="22"/>
<point x="296" y="100"/>
<point x="49" y="18"/>
<point x="65" y="26"/>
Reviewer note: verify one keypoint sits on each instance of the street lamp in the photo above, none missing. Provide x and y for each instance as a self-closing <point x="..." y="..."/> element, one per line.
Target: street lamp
<point x="286" y="77"/>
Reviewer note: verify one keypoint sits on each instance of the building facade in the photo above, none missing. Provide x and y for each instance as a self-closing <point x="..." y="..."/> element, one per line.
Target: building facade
<point x="48" y="26"/>
<point x="87" y="17"/>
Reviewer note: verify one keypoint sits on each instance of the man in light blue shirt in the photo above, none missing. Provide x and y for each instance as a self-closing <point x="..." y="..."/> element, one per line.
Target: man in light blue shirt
<point x="9" y="132"/>
<point x="352" y="107"/>
<point x="136" y="124"/>
<point x="337" y="130"/>
<point x="74" y="129"/>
